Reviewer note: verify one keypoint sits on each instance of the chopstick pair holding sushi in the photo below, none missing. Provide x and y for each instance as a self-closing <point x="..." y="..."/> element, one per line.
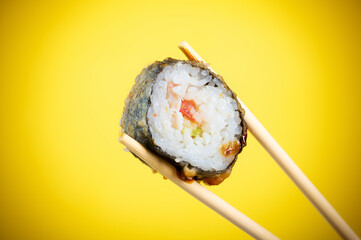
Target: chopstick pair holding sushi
<point x="199" y="154"/>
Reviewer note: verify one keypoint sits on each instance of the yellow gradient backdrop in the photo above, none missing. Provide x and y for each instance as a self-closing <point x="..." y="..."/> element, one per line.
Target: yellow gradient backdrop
<point x="66" y="68"/>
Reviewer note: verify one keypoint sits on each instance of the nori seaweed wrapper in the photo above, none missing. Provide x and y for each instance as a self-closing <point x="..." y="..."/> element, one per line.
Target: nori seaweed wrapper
<point x="134" y="122"/>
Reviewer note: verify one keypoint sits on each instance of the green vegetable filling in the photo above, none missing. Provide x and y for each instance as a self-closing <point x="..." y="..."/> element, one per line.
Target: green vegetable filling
<point x="196" y="132"/>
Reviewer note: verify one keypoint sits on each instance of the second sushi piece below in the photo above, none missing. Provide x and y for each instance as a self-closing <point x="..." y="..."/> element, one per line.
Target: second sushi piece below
<point x="189" y="116"/>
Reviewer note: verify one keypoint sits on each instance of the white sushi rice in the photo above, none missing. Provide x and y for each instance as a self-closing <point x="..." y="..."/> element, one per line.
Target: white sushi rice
<point x="216" y="113"/>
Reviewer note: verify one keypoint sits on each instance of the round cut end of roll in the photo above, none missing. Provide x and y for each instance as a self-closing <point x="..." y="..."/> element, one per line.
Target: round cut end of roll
<point x="195" y="119"/>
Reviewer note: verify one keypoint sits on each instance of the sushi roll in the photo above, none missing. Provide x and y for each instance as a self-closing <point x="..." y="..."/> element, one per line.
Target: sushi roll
<point x="187" y="115"/>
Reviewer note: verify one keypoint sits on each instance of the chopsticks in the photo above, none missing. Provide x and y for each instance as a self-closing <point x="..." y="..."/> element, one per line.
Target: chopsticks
<point x="286" y="163"/>
<point x="197" y="190"/>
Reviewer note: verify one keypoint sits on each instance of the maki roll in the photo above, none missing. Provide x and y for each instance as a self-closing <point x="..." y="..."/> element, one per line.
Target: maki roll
<point x="187" y="115"/>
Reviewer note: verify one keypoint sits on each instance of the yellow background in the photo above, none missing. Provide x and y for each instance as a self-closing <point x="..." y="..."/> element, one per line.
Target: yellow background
<point x="66" y="68"/>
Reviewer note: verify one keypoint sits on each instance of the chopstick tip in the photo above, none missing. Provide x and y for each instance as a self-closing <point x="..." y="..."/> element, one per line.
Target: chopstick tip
<point x="182" y="44"/>
<point x="121" y="135"/>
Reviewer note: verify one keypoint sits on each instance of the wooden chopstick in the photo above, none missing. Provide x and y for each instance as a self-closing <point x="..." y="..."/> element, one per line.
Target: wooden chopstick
<point x="286" y="163"/>
<point x="197" y="190"/>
